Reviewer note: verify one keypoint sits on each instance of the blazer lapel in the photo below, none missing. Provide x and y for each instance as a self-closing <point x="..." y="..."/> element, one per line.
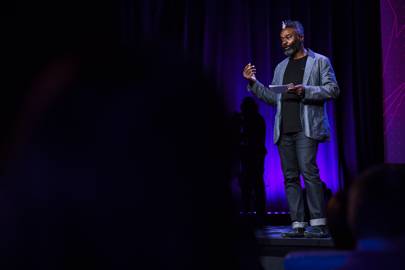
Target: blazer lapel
<point x="308" y="66"/>
<point x="283" y="66"/>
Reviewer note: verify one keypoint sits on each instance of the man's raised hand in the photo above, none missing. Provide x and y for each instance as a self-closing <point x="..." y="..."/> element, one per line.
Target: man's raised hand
<point x="249" y="72"/>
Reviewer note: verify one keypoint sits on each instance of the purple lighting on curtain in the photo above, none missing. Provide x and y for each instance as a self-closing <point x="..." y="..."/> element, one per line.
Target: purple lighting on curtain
<point x="230" y="42"/>
<point x="393" y="40"/>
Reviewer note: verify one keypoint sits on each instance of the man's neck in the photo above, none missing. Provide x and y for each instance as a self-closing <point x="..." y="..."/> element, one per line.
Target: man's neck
<point x="300" y="54"/>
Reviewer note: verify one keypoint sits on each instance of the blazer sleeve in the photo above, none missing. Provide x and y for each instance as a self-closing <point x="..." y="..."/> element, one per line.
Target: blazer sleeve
<point x="263" y="92"/>
<point x="328" y="89"/>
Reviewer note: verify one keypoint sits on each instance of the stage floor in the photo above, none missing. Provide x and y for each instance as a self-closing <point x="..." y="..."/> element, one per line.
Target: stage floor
<point x="272" y="243"/>
<point x="273" y="247"/>
<point x="271" y="235"/>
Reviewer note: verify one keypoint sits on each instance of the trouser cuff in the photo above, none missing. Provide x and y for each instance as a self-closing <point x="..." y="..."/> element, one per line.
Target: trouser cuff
<point x="297" y="224"/>
<point x="318" y="222"/>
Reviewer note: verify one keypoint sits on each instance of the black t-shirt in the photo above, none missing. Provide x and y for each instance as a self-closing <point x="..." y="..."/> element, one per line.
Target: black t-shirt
<point x="290" y="111"/>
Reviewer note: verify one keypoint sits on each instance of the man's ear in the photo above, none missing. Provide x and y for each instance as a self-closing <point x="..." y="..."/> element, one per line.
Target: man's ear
<point x="301" y="38"/>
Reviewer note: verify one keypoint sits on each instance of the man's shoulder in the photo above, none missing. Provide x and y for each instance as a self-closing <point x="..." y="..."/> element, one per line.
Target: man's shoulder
<point x="283" y="62"/>
<point x="317" y="56"/>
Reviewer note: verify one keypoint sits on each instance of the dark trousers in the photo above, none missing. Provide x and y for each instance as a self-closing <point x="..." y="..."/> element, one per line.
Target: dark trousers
<point x="298" y="156"/>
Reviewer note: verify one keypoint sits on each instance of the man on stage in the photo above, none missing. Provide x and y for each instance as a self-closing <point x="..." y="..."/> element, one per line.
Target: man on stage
<point x="301" y="123"/>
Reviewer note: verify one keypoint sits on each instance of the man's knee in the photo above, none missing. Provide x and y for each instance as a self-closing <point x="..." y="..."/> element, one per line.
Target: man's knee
<point x="291" y="172"/>
<point x="291" y="180"/>
<point x="310" y="172"/>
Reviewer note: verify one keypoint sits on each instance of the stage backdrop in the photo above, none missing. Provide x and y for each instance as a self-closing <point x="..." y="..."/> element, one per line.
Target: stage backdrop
<point x="238" y="32"/>
<point x="224" y="36"/>
<point x="393" y="40"/>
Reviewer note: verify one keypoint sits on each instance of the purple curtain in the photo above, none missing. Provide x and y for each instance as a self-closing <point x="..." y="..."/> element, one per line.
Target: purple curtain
<point x="226" y="35"/>
<point x="223" y="36"/>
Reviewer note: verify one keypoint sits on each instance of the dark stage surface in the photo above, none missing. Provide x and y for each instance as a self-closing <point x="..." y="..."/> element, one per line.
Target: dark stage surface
<point x="270" y="237"/>
<point x="274" y="248"/>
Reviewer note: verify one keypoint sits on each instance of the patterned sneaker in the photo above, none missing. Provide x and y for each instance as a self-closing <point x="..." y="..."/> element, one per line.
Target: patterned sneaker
<point x="321" y="231"/>
<point x="294" y="233"/>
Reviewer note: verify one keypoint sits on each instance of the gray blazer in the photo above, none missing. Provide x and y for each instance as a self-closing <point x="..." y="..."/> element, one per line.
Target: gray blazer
<point x="320" y="85"/>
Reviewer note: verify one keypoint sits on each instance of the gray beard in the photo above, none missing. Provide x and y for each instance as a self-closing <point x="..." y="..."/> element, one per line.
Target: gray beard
<point x="293" y="49"/>
<point x="290" y="52"/>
